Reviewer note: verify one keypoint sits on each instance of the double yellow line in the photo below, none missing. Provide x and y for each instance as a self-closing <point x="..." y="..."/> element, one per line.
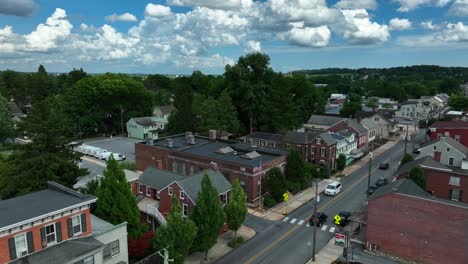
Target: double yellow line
<point x="289" y="232"/>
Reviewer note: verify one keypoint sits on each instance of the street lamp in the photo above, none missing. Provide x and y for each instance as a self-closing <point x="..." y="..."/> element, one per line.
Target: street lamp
<point x="368" y="178"/>
<point x="315" y="214"/>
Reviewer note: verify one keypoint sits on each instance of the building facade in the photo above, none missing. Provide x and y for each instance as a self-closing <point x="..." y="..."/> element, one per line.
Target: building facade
<point x="457" y="130"/>
<point x="447" y="151"/>
<point x="145" y="127"/>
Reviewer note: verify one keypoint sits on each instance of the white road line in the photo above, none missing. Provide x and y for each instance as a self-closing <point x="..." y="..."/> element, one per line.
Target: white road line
<point x="286" y="219"/>
<point x="332" y="229"/>
<point x="307" y="225"/>
<point x="293" y="221"/>
<point x="300" y="222"/>
<point x="324" y="227"/>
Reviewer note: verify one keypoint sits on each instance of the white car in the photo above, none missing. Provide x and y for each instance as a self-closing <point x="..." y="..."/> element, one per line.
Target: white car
<point x="333" y="188"/>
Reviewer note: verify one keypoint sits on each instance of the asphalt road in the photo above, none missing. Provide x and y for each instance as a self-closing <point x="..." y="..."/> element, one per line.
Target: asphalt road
<point x="291" y="241"/>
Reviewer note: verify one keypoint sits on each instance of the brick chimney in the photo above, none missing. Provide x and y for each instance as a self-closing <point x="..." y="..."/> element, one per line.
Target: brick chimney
<point x="212" y="134"/>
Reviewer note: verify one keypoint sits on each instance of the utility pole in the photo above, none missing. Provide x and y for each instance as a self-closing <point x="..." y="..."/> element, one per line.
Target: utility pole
<point x="261" y="202"/>
<point x="406" y="138"/>
<point x="121" y="119"/>
<point x="414" y="135"/>
<point x="369" y="176"/>
<point x="315" y="224"/>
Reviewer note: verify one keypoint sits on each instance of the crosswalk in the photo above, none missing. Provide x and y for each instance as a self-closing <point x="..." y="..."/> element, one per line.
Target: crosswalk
<point x="305" y="223"/>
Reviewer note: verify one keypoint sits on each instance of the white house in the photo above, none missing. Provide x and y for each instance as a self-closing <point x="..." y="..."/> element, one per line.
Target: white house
<point x="345" y="142"/>
<point x="163" y="111"/>
<point x="145" y="127"/>
<point x="446" y="150"/>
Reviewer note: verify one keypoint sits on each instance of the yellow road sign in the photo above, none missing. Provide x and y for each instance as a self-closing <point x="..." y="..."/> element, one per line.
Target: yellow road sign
<point x="337" y="219"/>
<point x="286" y="196"/>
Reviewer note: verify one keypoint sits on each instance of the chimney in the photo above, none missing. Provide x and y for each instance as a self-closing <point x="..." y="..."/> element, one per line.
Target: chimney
<point x="191" y="140"/>
<point x="187" y="135"/>
<point x="169" y="142"/>
<point x="212" y="134"/>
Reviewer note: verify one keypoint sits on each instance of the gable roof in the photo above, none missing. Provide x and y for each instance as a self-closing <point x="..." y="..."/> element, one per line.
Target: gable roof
<point x="192" y="185"/>
<point x="166" y="109"/>
<point x="450" y="141"/>
<point x="369" y="123"/>
<point x="27" y="207"/>
<point x="327" y="138"/>
<point x="157" y="178"/>
<point x="356" y="126"/>
<point x="450" y="124"/>
<point x="426" y="161"/>
<point x="148" y="121"/>
<point x="296" y="137"/>
<point x="363" y="114"/>
<point x="324" y="120"/>
<point x="265" y="136"/>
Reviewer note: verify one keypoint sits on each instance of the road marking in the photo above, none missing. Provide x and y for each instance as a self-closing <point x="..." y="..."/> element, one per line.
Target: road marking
<point x="307" y="225"/>
<point x="286" y="219"/>
<point x="332" y="229"/>
<point x="324" y="227"/>
<point x="293" y="221"/>
<point x="300" y="222"/>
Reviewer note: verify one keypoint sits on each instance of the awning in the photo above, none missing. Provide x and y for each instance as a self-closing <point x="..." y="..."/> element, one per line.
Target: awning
<point x="349" y="160"/>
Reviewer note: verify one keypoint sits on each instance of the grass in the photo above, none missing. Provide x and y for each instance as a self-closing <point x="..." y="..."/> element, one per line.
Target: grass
<point x="236" y="242"/>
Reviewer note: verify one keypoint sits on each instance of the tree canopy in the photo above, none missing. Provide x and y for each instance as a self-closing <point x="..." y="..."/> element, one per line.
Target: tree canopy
<point x="418" y="176"/>
<point x="276" y="184"/>
<point x="236" y="208"/>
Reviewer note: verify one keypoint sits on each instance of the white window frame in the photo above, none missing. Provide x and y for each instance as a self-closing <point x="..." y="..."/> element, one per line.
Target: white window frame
<point x="448" y="149"/>
<point x="169" y="190"/>
<point x="74" y="225"/>
<point x="113" y="253"/>
<point x="89" y="260"/>
<point x="452" y="159"/>
<point x="18" y="250"/>
<point x="185" y="208"/>
<point x="140" y="188"/>
<point x="454" y="180"/>
<point x="181" y="195"/>
<point x="148" y="191"/>
<point x="54" y="233"/>
<point x="435" y="147"/>
<point x="455" y="195"/>
<point x="457" y="138"/>
<point x="323" y="152"/>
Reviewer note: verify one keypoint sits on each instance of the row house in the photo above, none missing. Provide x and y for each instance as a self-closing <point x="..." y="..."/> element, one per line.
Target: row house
<point x="457" y="130"/>
<point x="155" y="188"/>
<point x="187" y="154"/>
<point x="55" y="226"/>
<point x="447" y="151"/>
<point x="405" y="221"/>
<point x="441" y="181"/>
<point x="345" y="144"/>
<point x="423" y="108"/>
<point x="360" y="132"/>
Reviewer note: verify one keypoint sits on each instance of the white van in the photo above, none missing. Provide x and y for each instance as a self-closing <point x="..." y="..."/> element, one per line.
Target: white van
<point x="333" y="188"/>
<point x="117" y="156"/>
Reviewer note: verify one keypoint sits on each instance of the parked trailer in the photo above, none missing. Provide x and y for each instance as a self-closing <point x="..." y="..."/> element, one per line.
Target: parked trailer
<point x="117" y="156"/>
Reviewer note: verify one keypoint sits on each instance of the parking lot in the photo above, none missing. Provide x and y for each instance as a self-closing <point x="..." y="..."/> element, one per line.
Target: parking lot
<point x="121" y="145"/>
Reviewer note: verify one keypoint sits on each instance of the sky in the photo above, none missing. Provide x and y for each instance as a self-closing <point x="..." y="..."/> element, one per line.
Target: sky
<point x="180" y="36"/>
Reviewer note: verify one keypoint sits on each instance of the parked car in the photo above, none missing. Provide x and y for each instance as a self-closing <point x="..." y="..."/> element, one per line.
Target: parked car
<point x="318" y="219"/>
<point x="107" y="155"/>
<point x="372" y="189"/>
<point x="381" y="181"/>
<point x="344" y="215"/>
<point x="333" y="188"/>
<point x="384" y="166"/>
<point x="416" y="151"/>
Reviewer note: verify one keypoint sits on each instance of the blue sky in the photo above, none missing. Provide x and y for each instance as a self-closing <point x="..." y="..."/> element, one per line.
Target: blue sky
<point x="180" y="36"/>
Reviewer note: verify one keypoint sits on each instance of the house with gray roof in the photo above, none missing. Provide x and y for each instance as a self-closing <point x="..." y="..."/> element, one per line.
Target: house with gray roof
<point x="55" y="226"/>
<point x="155" y="188"/>
<point x="322" y="121"/>
<point x="145" y="127"/>
<point x="447" y="151"/>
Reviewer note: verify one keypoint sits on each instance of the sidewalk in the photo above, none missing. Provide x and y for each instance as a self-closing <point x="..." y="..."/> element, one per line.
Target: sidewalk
<point x="297" y="200"/>
<point x="220" y="248"/>
<point x="329" y="253"/>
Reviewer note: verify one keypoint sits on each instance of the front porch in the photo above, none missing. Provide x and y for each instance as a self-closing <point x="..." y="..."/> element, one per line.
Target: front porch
<point x="150" y="208"/>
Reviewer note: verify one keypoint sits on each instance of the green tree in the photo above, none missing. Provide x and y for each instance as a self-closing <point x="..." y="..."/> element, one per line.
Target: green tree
<point x="77" y="75"/>
<point x="6" y="124"/>
<point x="341" y="162"/>
<point x="208" y="216"/>
<point x="373" y="103"/>
<point x="157" y="82"/>
<point x="449" y="85"/>
<point x="218" y="114"/>
<point x="48" y="157"/>
<point x="417" y="175"/>
<point x="116" y="203"/>
<point x="407" y="158"/>
<point x="182" y="119"/>
<point x="349" y="109"/>
<point x="236" y="208"/>
<point x="458" y="102"/>
<point x="91" y="187"/>
<point x="276" y="184"/>
<point x="177" y="235"/>
<point x="295" y="169"/>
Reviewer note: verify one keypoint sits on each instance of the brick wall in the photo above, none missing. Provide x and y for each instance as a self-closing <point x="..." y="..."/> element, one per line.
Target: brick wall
<point x="417" y="229"/>
<point x="463" y="132"/>
<point x="4" y="247"/>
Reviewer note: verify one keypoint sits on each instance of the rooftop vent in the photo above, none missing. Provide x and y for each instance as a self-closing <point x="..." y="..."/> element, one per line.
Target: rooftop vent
<point x="225" y="150"/>
<point x="191" y="140"/>
<point x="169" y="143"/>
<point x="251" y="155"/>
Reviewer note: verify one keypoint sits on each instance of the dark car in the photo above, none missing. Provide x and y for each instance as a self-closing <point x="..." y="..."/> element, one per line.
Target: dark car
<point x="416" y="151"/>
<point x="372" y="188"/>
<point x="384" y="166"/>
<point x="318" y="219"/>
<point x="344" y="218"/>
<point x="381" y="181"/>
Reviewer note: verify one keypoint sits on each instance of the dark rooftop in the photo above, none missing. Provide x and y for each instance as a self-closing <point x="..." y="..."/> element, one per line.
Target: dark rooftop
<point x="296" y="137"/>
<point x="327" y="138"/>
<point x="29" y="206"/>
<point x="356" y="126"/>
<point x="324" y="120"/>
<point x="426" y="161"/>
<point x="157" y="178"/>
<point x="192" y="184"/>
<point x="265" y="136"/>
<point x="450" y="124"/>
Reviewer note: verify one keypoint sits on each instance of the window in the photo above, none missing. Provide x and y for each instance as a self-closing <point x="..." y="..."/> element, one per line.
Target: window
<point x="174" y="167"/>
<point x="169" y="190"/>
<point x="89" y="260"/>
<point x="112" y="249"/>
<point x="192" y="170"/>
<point x="454" y="181"/>
<point x="148" y="191"/>
<point x="435" y="147"/>
<point x="450" y="161"/>
<point x="185" y="209"/>
<point x="455" y="195"/>
<point x="21" y="245"/>
<point x="50" y="233"/>
<point x="140" y="188"/>
<point x="457" y="137"/>
<point x="448" y="149"/>
<point x="319" y="141"/>
<point x="224" y="198"/>
<point x="182" y="195"/>
<point x="312" y="151"/>
<point x="322" y="152"/>
<point x="447" y="134"/>
<point x="76" y="225"/>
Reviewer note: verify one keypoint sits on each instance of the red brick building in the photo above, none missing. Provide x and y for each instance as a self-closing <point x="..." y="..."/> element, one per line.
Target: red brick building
<point x="155" y="188"/>
<point x="406" y="221"/>
<point x="360" y="132"/>
<point x="457" y="130"/>
<point x="188" y="154"/>
<point x="441" y="181"/>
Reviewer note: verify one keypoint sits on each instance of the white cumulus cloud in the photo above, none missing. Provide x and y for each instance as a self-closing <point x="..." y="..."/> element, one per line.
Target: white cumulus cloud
<point x="361" y="30"/>
<point x="429" y="25"/>
<point x="459" y="8"/>
<point x="308" y="36"/>
<point x="125" y="17"/>
<point x="400" y="24"/>
<point x="357" y="4"/>
<point x="253" y="46"/>
<point x="157" y="10"/>
<point x="450" y="34"/>
<point x="409" y="5"/>
<point x="213" y="4"/>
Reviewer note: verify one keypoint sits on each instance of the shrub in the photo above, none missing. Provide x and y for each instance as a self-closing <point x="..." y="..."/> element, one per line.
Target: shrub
<point x="236" y="242"/>
<point x="269" y="201"/>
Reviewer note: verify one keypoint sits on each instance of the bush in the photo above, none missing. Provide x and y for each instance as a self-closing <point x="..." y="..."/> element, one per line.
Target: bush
<point x="236" y="242"/>
<point x="294" y="187"/>
<point x="269" y="201"/>
<point x="129" y="165"/>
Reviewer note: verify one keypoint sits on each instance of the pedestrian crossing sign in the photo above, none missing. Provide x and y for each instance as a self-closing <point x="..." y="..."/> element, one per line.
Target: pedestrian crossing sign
<point x="337" y="219"/>
<point x="286" y="196"/>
